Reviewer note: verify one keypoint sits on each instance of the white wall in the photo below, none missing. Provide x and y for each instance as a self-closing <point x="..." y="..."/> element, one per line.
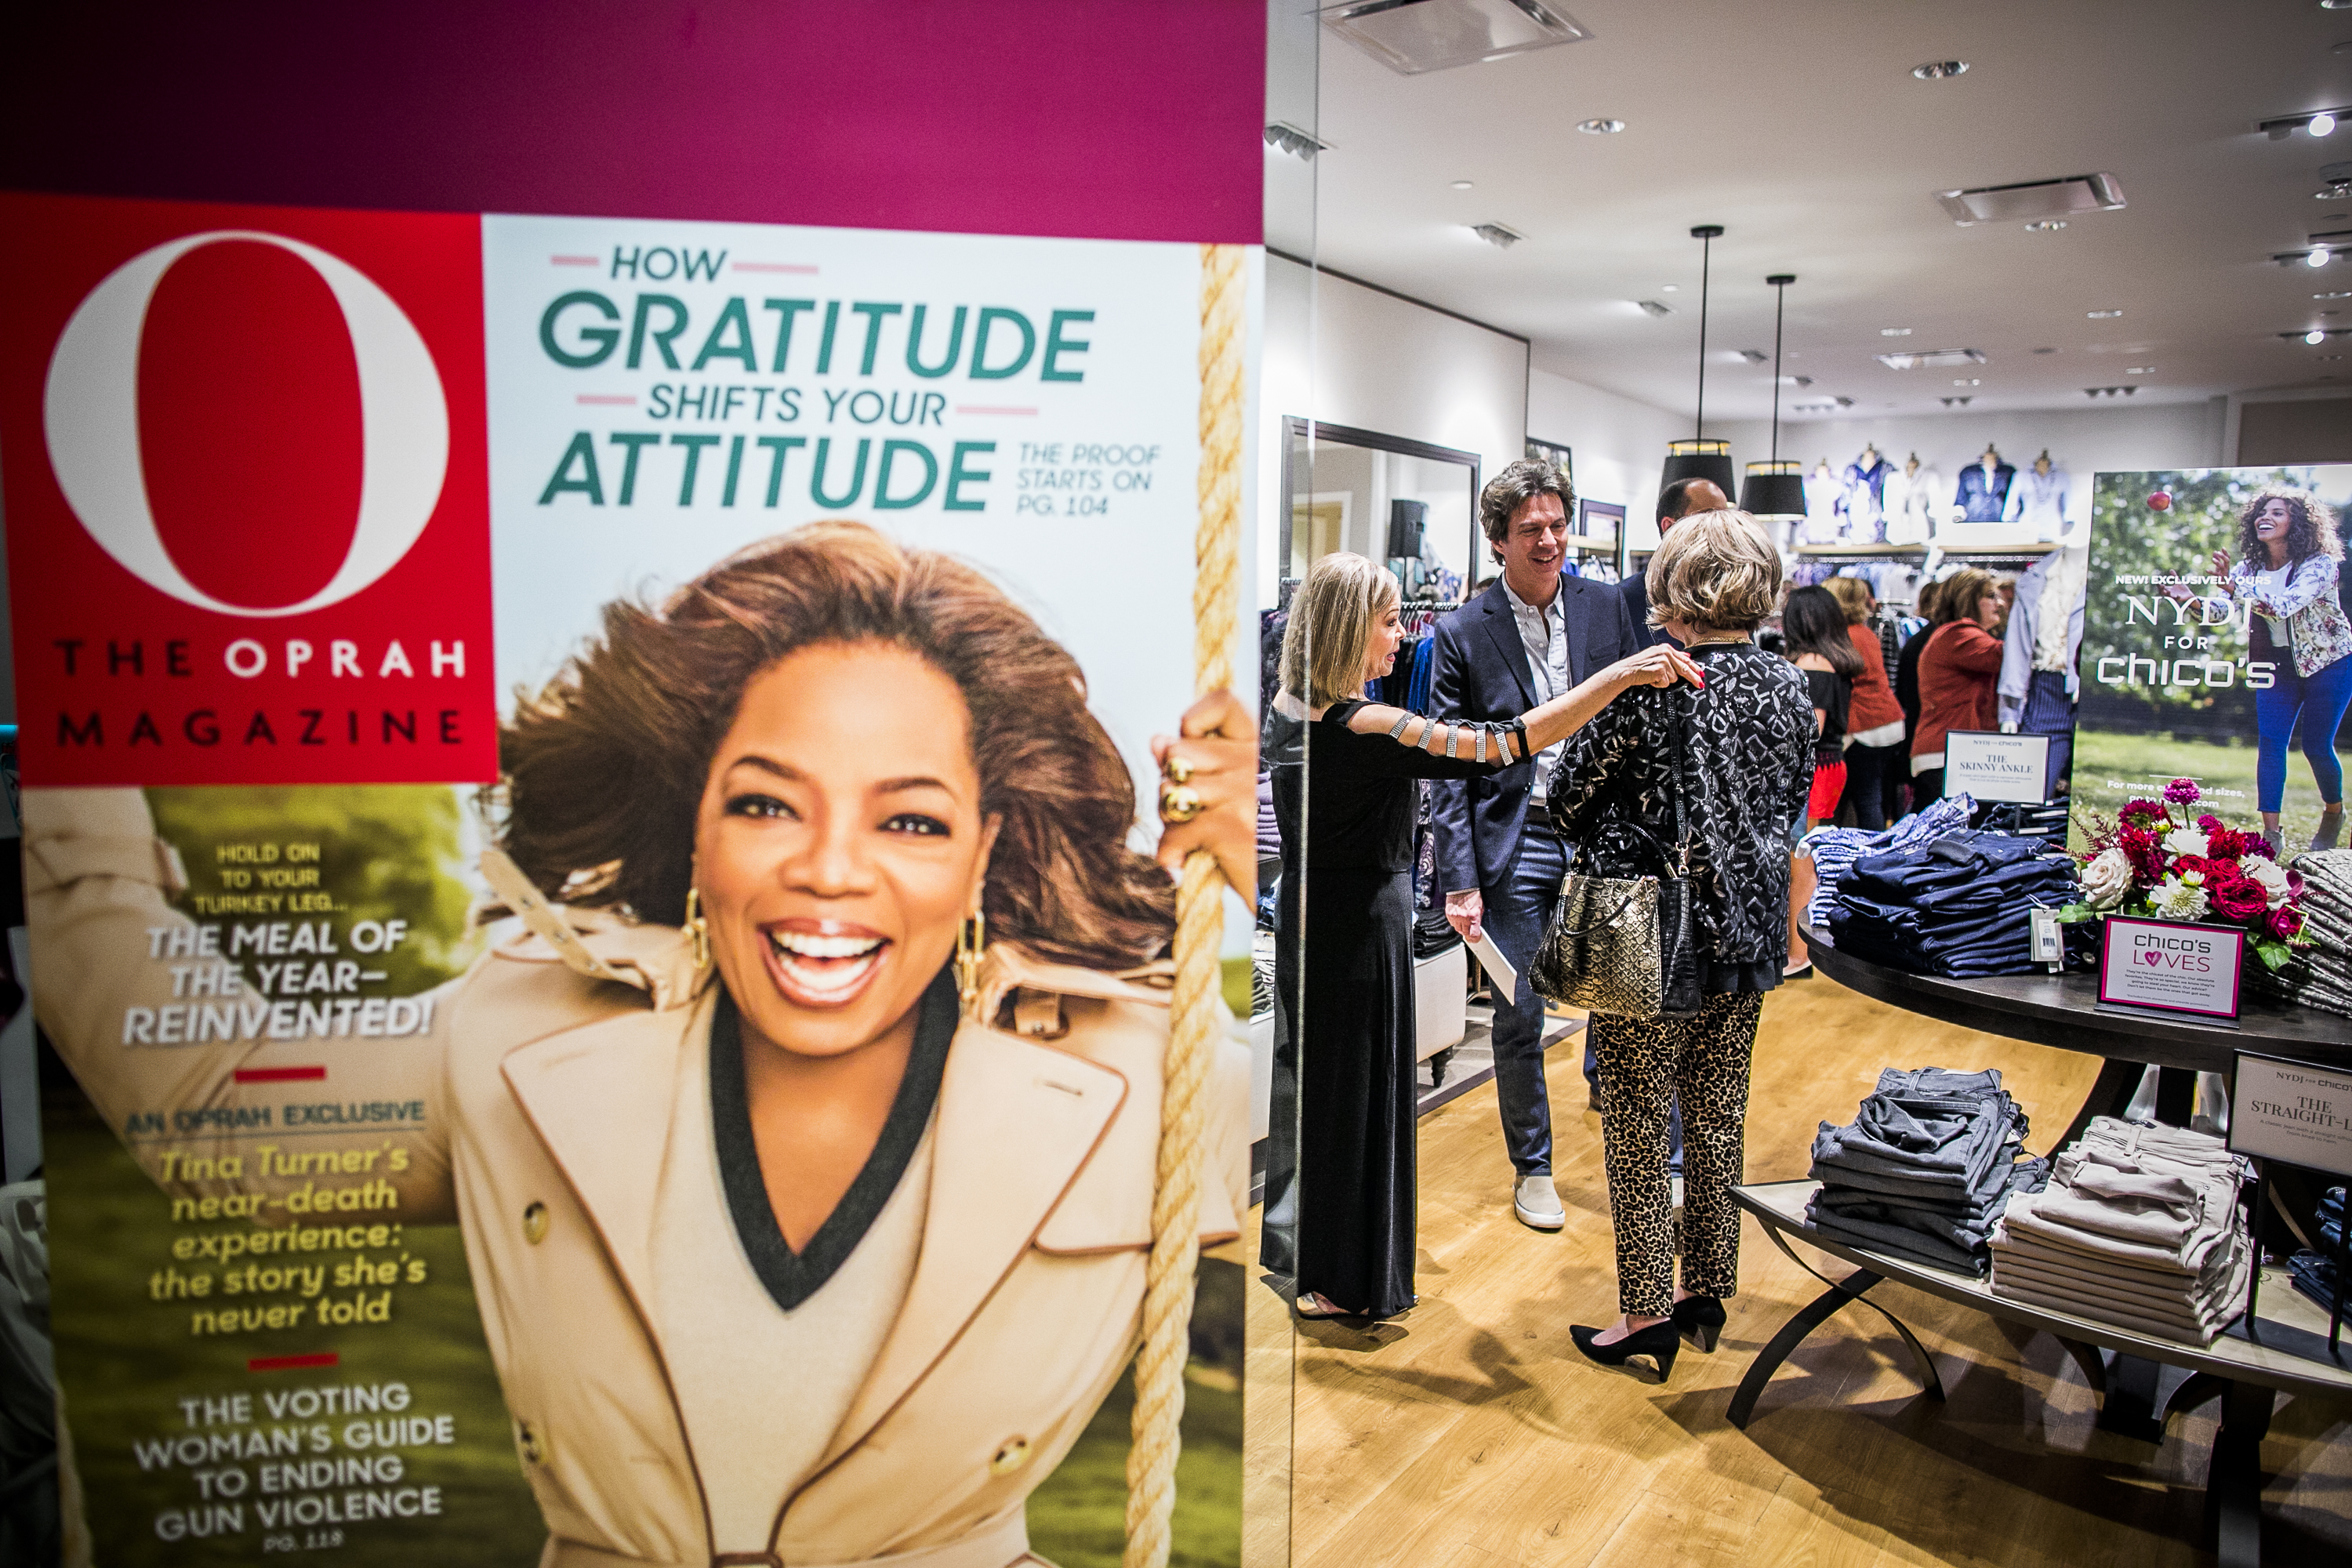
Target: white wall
<point x="1344" y="355"/>
<point x="2082" y="441"/>
<point x="1618" y="446"/>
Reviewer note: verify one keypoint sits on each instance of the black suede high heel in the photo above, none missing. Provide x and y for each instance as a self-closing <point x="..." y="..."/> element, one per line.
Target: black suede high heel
<point x="1700" y="1320"/>
<point x="1659" y="1341"/>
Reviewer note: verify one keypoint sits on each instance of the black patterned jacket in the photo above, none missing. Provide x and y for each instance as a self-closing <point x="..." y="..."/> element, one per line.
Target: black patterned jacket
<point x="1741" y="759"/>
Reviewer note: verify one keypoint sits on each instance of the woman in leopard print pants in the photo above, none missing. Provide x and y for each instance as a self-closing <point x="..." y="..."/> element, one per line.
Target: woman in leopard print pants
<point x="1738" y="753"/>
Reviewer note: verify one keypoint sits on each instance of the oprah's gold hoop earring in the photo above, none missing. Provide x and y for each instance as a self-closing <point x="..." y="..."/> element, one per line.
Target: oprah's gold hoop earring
<point x="972" y="945"/>
<point x="697" y="929"/>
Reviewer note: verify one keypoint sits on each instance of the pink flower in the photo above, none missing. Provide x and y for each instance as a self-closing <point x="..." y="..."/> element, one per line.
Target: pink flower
<point x="2285" y="922"/>
<point x="2140" y="812"/>
<point x="2183" y="792"/>
<point x="2147" y="854"/>
<point x="2209" y="822"/>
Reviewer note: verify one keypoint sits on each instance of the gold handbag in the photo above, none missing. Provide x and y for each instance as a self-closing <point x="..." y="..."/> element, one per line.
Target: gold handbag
<point x="1601" y="949"/>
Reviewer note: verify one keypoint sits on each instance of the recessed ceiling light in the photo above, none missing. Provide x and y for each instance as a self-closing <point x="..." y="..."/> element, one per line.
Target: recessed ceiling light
<point x="2335" y="294"/>
<point x="2320" y="124"/>
<point x="2318" y="257"/>
<point x="2314" y="336"/>
<point x="2102" y="315"/>
<point x="2045" y="225"/>
<point x="1462" y="185"/>
<point x="1601" y="127"/>
<point x="1930" y="359"/>
<point x="1970" y="381"/>
<point x="2046" y="350"/>
<point x="1939" y="70"/>
<point x="2139" y="370"/>
<point x="1894" y="331"/>
<point x="1670" y="287"/>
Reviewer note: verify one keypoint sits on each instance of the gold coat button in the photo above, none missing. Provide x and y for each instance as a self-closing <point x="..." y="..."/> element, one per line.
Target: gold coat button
<point x="1009" y="1456"/>
<point x="534" y="1224"/>
<point x="526" y="1439"/>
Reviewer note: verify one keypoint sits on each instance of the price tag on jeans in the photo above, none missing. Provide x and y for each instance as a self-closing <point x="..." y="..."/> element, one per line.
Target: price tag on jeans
<point x="2049" y="938"/>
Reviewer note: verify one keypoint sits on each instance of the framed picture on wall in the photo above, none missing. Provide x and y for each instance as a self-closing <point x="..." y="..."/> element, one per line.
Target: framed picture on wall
<point x="1558" y="455"/>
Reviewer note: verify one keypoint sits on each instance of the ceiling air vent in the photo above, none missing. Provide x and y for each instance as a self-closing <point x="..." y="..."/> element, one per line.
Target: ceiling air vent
<point x="2035" y="199"/>
<point x="1655" y="308"/>
<point x="1295" y="141"/>
<point x="1495" y="235"/>
<point x="1932" y="359"/>
<point x="1410" y="37"/>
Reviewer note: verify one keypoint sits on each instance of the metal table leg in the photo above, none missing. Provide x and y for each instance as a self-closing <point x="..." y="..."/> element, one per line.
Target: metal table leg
<point x="1813" y="1316"/>
<point x="2129" y="1408"/>
<point x="2234" y="1483"/>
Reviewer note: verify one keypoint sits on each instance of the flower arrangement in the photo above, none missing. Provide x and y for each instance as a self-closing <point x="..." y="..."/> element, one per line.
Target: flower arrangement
<point x="2151" y="862"/>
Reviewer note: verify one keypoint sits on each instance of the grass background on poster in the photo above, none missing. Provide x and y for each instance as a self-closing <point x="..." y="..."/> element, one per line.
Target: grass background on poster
<point x="126" y="1361"/>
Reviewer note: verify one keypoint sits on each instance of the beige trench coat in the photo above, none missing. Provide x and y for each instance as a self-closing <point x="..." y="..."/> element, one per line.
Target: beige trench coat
<point x="546" y="1096"/>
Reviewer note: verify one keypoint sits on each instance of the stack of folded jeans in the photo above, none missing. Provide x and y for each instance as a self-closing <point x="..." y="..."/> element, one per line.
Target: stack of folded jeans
<point x="1833" y="850"/>
<point x="2321" y="974"/>
<point x="1925" y="1167"/>
<point x="2314" y="1272"/>
<point x="2139" y="1226"/>
<point x="1955" y="905"/>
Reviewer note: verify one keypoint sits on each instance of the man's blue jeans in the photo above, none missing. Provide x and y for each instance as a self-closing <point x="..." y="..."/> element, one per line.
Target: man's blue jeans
<point x="1516" y="913"/>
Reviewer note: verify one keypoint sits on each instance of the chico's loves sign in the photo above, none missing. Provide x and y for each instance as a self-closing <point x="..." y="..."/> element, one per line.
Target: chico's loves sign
<point x="2171" y="967"/>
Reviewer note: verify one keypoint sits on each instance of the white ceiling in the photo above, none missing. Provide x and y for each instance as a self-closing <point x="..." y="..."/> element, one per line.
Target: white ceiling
<point x="1797" y="126"/>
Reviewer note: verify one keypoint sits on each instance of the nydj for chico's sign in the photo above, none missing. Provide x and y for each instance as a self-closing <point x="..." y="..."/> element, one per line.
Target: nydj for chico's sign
<point x="259" y="547"/>
<point x="2171" y="966"/>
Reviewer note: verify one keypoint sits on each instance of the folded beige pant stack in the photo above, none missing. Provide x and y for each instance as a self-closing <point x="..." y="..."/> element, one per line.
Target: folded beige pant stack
<point x="2139" y="1226"/>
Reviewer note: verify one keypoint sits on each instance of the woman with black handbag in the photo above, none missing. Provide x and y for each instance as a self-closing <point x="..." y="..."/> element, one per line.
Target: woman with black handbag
<point x="1339" y="1180"/>
<point x="1697" y="789"/>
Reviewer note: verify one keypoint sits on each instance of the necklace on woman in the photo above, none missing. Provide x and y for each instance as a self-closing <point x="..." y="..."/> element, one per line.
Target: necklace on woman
<point x="1715" y="642"/>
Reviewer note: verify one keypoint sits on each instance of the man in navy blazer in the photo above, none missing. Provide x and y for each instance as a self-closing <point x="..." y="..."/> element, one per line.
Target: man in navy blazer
<point x="1532" y="635"/>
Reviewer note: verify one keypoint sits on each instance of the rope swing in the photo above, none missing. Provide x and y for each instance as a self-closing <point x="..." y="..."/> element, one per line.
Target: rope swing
<point x="1197" y="1024"/>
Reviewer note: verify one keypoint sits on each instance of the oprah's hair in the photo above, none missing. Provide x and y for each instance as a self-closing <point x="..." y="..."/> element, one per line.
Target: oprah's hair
<point x="1717" y="570"/>
<point x="605" y="768"/>
<point x="1326" y="645"/>
<point x="2313" y="532"/>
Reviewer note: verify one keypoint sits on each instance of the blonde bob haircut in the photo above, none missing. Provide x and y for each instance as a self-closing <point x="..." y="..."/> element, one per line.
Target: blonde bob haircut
<point x="1716" y="570"/>
<point x="1852" y="595"/>
<point x="1330" y="630"/>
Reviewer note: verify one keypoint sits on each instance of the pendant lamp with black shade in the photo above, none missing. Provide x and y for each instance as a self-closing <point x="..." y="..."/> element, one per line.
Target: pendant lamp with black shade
<point x="1775" y="488"/>
<point x="1702" y="456"/>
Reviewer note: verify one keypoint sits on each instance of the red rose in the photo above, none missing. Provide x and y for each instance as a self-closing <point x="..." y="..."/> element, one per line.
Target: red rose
<point x="2145" y="851"/>
<point x="2285" y="922"/>
<point x="2238" y="897"/>
<point x="2139" y="812"/>
<point x="2224" y="843"/>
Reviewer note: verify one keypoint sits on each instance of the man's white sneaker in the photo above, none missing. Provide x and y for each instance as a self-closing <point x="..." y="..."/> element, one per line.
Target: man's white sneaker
<point x="1537" y="1203"/>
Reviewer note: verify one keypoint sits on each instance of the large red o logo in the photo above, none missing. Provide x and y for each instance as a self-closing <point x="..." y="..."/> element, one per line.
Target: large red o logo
<point x="110" y="462"/>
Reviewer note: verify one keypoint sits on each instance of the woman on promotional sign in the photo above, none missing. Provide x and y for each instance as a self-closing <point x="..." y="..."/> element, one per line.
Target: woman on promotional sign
<point x="805" y="1143"/>
<point x="2287" y="584"/>
<point x="1343" y="788"/>
<point x="1735" y="763"/>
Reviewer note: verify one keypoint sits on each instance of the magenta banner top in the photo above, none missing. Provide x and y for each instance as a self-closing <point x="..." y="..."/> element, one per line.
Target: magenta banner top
<point x="1037" y="117"/>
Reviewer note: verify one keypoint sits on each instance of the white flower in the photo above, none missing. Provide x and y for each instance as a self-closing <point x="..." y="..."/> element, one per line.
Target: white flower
<point x="2175" y="899"/>
<point x="2107" y="880"/>
<point x="2187" y="841"/>
<point x="2270" y="874"/>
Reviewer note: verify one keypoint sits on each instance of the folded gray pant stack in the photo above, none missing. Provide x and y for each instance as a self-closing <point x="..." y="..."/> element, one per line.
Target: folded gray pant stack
<point x="2139" y="1226"/>
<point x="2321" y="975"/>
<point x="1922" y="1171"/>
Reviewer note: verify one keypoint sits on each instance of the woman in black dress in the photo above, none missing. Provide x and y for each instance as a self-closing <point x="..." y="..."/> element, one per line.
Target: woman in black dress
<point x="1340" y="1199"/>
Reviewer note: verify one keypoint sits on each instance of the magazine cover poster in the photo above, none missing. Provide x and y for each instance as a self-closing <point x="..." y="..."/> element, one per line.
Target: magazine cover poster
<point x="2216" y="647"/>
<point x="605" y="1130"/>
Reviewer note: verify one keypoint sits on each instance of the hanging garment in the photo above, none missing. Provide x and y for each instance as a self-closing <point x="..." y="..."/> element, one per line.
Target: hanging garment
<point x="1982" y="496"/>
<point x="1904" y="503"/>
<point x="2039" y="501"/>
<point x="1825" y="498"/>
<point x="1864" y="503"/>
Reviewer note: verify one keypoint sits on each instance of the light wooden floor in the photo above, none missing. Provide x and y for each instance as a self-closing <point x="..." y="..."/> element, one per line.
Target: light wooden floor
<point x="1471" y="1435"/>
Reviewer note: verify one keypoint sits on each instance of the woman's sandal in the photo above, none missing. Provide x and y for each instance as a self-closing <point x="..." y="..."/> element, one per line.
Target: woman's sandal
<point x="1323" y="1307"/>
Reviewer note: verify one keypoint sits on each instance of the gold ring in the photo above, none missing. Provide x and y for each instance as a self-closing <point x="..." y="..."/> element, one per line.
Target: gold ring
<point x="1178" y="770"/>
<point x="1178" y="804"/>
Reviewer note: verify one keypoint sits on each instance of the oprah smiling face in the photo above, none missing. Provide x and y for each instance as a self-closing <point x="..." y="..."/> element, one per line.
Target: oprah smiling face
<point x="840" y="843"/>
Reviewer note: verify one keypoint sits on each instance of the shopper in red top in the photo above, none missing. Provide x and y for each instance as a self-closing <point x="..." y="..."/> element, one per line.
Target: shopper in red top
<point x="1874" y="753"/>
<point x="1957" y="673"/>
